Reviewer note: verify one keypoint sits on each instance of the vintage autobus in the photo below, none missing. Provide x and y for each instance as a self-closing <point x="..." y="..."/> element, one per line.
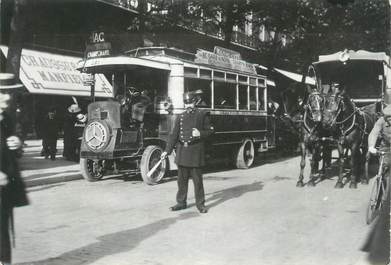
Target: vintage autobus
<point x="365" y="75"/>
<point x="234" y="94"/>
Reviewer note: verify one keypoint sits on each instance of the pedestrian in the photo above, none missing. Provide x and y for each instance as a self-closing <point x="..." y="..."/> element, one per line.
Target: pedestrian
<point x="191" y="129"/>
<point x="12" y="189"/>
<point x="69" y="132"/>
<point x="80" y="124"/>
<point x="50" y="133"/>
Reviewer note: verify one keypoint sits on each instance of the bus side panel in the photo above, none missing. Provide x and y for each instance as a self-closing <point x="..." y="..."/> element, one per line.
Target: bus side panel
<point x="232" y="129"/>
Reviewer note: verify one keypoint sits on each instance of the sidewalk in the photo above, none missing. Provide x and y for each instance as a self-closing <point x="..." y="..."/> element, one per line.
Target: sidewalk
<point x="36" y="170"/>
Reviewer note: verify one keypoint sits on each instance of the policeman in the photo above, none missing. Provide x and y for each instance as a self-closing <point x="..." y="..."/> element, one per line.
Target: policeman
<point x="191" y="129"/>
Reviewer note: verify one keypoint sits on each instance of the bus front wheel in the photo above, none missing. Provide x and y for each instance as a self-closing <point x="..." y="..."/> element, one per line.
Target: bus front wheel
<point x="150" y="157"/>
<point x="92" y="170"/>
<point x="245" y="155"/>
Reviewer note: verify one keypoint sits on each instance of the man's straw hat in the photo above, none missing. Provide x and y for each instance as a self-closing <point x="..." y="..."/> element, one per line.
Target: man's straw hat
<point x="8" y="81"/>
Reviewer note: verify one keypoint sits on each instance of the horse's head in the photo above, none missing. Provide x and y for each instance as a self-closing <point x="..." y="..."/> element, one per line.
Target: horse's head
<point x="315" y="106"/>
<point x="333" y="106"/>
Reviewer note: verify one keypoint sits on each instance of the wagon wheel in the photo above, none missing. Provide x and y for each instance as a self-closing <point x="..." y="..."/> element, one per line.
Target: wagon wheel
<point x="92" y="170"/>
<point x="245" y="155"/>
<point x="150" y="157"/>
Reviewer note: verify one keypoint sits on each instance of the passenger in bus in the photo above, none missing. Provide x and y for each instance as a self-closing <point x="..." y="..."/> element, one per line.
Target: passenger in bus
<point x="191" y="129"/>
<point x="272" y="107"/>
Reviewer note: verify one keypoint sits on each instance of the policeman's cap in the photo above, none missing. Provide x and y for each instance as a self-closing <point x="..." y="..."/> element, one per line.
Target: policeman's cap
<point x="192" y="96"/>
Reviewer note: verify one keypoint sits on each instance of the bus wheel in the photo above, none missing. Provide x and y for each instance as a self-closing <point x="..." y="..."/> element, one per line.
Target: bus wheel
<point x="92" y="170"/>
<point x="149" y="159"/>
<point x="245" y="155"/>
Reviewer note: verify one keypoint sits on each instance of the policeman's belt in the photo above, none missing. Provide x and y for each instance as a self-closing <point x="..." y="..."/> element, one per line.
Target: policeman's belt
<point x="189" y="142"/>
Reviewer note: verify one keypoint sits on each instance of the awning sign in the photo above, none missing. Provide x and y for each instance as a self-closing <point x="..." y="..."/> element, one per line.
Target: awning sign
<point x="48" y="73"/>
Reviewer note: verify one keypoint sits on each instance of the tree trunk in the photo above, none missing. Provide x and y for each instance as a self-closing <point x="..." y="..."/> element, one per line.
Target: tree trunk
<point x="229" y="22"/>
<point x="17" y="31"/>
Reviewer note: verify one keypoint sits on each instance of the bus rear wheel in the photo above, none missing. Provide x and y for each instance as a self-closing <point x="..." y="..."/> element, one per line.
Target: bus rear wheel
<point x="245" y="155"/>
<point x="92" y="170"/>
<point x="150" y="157"/>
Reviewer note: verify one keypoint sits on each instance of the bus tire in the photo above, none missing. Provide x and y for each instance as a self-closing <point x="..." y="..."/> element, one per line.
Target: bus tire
<point x="245" y="154"/>
<point x="88" y="171"/>
<point x="150" y="157"/>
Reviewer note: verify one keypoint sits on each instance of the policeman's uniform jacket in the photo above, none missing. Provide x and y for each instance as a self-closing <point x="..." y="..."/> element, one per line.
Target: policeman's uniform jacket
<point x="190" y="151"/>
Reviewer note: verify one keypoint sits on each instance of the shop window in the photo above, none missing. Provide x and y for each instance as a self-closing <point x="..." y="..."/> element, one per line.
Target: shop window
<point x="193" y="84"/>
<point x="224" y="95"/>
<point x="243" y="97"/>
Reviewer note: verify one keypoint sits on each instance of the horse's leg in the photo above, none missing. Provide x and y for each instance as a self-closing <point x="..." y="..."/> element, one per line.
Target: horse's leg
<point x="315" y="157"/>
<point x="341" y="154"/>
<point x="355" y="161"/>
<point x="326" y="157"/>
<point x="303" y="150"/>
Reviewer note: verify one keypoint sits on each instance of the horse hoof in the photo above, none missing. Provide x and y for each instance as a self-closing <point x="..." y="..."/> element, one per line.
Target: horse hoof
<point x="300" y="184"/>
<point x="311" y="183"/>
<point x="364" y="182"/>
<point x="353" y="185"/>
<point x="339" y="185"/>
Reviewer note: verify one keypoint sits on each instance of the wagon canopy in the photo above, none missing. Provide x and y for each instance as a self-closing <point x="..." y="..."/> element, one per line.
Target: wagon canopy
<point x="364" y="74"/>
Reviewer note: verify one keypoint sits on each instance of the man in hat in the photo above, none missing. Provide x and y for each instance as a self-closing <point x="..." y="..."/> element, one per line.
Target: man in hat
<point x="381" y="132"/>
<point x="191" y="129"/>
<point x="69" y="132"/>
<point x="378" y="242"/>
<point x="12" y="188"/>
<point x="50" y="133"/>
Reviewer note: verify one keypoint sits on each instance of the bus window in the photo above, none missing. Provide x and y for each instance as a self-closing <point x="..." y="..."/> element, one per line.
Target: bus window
<point x="243" y="97"/>
<point x="231" y="78"/>
<point x="192" y="84"/>
<point x="253" y="81"/>
<point x="205" y="74"/>
<point x="225" y="95"/>
<point x="243" y="79"/>
<point x="253" y="98"/>
<point x="190" y="72"/>
<point x="261" y="98"/>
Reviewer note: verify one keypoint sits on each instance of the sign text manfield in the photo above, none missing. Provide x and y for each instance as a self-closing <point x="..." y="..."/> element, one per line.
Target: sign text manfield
<point x="230" y="62"/>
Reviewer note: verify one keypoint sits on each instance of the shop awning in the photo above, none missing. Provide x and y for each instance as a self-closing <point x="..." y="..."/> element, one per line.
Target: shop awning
<point x="48" y="73"/>
<point x="296" y="77"/>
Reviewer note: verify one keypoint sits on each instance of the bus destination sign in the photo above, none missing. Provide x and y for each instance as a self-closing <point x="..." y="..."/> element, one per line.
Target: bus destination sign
<point x="97" y="46"/>
<point x="223" y="58"/>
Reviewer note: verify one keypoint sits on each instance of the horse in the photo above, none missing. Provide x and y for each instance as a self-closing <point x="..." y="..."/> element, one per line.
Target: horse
<point x="351" y="126"/>
<point x="311" y="135"/>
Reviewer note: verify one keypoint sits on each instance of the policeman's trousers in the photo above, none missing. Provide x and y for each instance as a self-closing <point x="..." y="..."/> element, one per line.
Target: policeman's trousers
<point x="184" y="173"/>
